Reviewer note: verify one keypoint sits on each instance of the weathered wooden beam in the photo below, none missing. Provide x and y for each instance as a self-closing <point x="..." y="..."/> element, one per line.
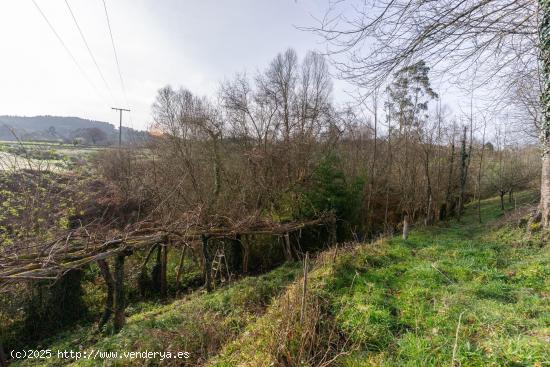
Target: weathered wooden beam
<point x="20" y="269"/>
<point x="276" y="229"/>
<point x="60" y="256"/>
<point x="38" y="271"/>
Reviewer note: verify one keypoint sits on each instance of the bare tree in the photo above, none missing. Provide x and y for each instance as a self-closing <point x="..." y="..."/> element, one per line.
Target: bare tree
<point x="371" y="39"/>
<point x="190" y="122"/>
<point x="285" y="112"/>
<point x="482" y="150"/>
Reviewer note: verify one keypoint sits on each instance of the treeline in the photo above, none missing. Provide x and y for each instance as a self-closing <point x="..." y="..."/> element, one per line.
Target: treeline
<point x="67" y="130"/>
<point x="275" y="145"/>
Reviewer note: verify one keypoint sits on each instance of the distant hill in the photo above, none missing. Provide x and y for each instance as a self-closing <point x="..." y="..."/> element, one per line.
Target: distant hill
<point x="58" y="128"/>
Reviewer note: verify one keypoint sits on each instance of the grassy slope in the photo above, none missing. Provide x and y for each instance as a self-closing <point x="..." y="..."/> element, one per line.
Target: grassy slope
<point x="398" y="303"/>
<point x="200" y="324"/>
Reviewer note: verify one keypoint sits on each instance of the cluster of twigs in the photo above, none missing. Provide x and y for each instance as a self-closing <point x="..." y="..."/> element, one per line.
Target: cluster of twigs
<point x="51" y="260"/>
<point x="78" y="248"/>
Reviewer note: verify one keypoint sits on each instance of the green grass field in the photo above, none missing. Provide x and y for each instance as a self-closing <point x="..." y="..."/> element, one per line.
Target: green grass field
<point x="463" y="294"/>
<point x="457" y="294"/>
<point x="479" y="292"/>
<point x="57" y="157"/>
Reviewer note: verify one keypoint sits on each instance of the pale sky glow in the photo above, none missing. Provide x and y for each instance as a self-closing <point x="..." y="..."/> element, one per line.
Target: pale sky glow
<point x="190" y="43"/>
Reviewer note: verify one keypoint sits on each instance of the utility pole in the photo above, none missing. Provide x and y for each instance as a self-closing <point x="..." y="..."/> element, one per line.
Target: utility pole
<point x="120" y="123"/>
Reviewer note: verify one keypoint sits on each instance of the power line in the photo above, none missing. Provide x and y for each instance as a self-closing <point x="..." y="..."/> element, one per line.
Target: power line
<point x="66" y="48"/>
<point x="89" y="49"/>
<point x="117" y="62"/>
<point x="114" y="51"/>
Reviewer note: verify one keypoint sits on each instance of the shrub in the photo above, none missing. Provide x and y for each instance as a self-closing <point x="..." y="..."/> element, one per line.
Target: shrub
<point x="329" y="190"/>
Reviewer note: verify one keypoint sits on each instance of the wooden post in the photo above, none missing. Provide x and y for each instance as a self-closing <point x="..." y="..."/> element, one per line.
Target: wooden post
<point x="163" y="271"/>
<point x="406" y="227"/>
<point x="109" y="283"/>
<point x="3" y="358"/>
<point x="119" y="319"/>
<point x="207" y="263"/>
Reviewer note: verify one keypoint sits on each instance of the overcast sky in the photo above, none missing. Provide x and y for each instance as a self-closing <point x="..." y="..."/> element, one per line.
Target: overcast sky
<point x="190" y="43"/>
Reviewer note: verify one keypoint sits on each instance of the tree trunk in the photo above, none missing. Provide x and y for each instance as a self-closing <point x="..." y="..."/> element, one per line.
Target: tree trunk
<point x="545" y="190"/>
<point x="372" y="173"/>
<point x="180" y="265"/>
<point x="386" y="209"/>
<point x="217" y="169"/>
<point x="119" y="301"/>
<point x="149" y="254"/>
<point x="110" y="284"/>
<point x="464" y="162"/>
<point x="544" y="42"/>
<point x="163" y="271"/>
<point x="388" y="169"/>
<point x="156" y="272"/>
<point x="479" y="172"/>
<point x="502" y="193"/>
<point x="429" y="199"/>
<point x="246" y="253"/>
<point x="207" y="263"/>
<point x="448" y="195"/>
